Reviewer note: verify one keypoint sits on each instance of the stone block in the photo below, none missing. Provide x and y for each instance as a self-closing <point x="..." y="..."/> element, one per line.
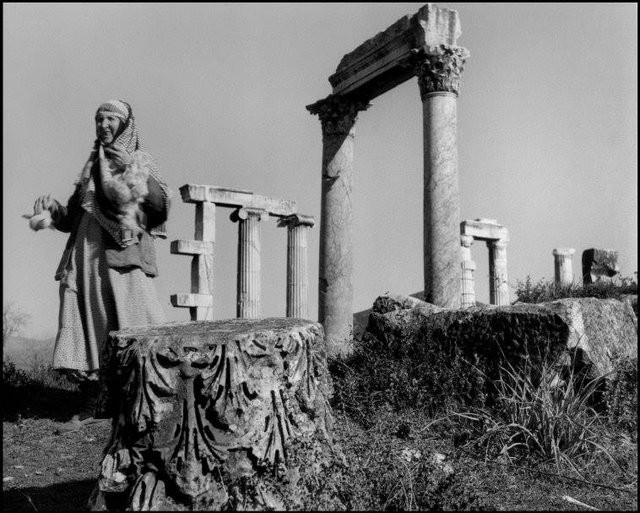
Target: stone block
<point x="599" y="265"/>
<point x="385" y="60"/>
<point x="484" y="229"/>
<point x="205" y="414"/>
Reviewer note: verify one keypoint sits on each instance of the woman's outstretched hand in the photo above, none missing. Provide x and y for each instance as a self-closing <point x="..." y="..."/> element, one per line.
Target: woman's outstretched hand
<point x="44" y="202"/>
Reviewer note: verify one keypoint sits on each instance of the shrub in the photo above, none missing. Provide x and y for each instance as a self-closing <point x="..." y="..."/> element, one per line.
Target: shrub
<point x="621" y="395"/>
<point x="546" y="290"/>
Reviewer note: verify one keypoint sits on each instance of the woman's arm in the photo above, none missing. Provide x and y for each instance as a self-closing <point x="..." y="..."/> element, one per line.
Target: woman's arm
<point x="63" y="217"/>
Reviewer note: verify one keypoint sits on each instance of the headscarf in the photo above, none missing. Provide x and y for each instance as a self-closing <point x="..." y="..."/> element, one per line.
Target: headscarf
<point x="129" y="139"/>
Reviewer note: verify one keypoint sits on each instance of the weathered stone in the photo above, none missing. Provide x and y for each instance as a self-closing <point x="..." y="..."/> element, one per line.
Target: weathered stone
<point x="205" y="413"/>
<point x="562" y="265"/>
<point x="602" y="330"/>
<point x="631" y="300"/>
<point x="599" y="265"/>
<point x="386" y="60"/>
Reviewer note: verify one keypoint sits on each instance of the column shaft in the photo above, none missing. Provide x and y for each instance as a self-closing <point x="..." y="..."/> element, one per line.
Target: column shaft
<point x="563" y="266"/>
<point x="297" y="279"/>
<point x="202" y="265"/>
<point x="468" y="268"/>
<point x="498" y="279"/>
<point x="248" y="291"/>
<point x="442" y="272"/>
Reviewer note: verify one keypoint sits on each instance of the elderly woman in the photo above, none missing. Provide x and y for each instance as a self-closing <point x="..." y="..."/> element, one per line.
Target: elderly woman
<point x="119" y="205"/>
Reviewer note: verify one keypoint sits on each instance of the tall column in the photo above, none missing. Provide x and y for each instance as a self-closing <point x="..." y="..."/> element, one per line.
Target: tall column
<point x="297" y="279"/>
<point x="248" y="291"/>
<point x="498" y="280"/>
<point x="438" y="70"/>
<point x="468" y="267"/>
<point x="335" y="288"/>
<point x="562" y="264"/>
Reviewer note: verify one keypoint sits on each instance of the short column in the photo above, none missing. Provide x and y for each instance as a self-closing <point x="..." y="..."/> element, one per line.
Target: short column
<point x="335" y="288"/>
<point x="563" y="265"/>
<point x="248" y="291"/>
<point x="468" y="268"/>
<point x="438" y="70"/>
<point x="498" y="280"/>
<point x="297" y="279"/>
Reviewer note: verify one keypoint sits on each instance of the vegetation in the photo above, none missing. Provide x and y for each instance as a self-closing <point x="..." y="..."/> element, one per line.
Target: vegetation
<point x="545" y="290"/>
<point x="13" y="321"/>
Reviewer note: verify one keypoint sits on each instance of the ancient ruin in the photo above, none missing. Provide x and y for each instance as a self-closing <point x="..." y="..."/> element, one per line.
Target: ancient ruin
<point x="422" y="45"/>
<point x="563" y="266"/>
<point x="496" y="236"/>
<point x="249" y="210"/>
<point x="599" y="265"/>
<point x="206" y="413"/>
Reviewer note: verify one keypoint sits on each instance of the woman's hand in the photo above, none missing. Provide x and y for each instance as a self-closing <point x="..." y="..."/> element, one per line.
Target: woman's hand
<point x="118" y="155"/>
<point x="44" y="202"/>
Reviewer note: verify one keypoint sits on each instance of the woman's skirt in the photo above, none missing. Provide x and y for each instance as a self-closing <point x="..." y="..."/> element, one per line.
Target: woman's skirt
<point x="95" y="300"/>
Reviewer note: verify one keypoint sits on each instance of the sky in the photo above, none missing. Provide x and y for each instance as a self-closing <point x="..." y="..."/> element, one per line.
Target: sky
<point x="547" y="133"/>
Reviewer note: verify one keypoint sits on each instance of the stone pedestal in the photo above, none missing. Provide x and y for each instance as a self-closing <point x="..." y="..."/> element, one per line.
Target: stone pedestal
<point x="468" y="268"/>
<point x="562" y="265"/>
<point x="438" y="70"/>
<point x="335" y="288"/>
<point x="297" y="279"/>
<point x="248" y="291"/>
<point x="205" y="414"/>
<point x="498" y="279"/>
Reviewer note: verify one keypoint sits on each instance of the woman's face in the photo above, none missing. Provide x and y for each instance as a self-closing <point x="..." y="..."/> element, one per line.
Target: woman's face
<point x="107" y="126"/>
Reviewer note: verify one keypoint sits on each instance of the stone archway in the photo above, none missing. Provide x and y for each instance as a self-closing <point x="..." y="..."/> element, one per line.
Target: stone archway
<point x="421" y="45"/>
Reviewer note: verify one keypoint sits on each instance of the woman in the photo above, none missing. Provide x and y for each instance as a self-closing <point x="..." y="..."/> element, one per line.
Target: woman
<point x="119" y="205"/>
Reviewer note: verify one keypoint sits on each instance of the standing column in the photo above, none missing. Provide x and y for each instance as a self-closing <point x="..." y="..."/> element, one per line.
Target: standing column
<point x="468" y="267"/>
<point x="248" y="291"/>
<point x="563" y="266"/>
<point x="297" y="280"/>
<point x="438" y="70"/>
<point x="335" y="288"/>
<point x="498" y="280"/>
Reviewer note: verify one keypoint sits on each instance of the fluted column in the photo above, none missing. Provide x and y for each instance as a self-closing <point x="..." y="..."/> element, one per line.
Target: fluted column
<point x="438" y="70"/>
<point x="335" y="288"/>
<point x="498" y="279"/>
<point x="563" y="265"/>
<point x="248" y="288"/>
<point x="468" y="268"/>
<point x="297" y="279"/>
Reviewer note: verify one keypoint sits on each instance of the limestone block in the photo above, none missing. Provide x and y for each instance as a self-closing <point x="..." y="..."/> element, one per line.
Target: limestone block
<point x="205" y="413"/>
<point x="599" y="264"/>
<point x="385" y="60"/>
<point x="600" y="330"/>
<point x="484" y="229"/>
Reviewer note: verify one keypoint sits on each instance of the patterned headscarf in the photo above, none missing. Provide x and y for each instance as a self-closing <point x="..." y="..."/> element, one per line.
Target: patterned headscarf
<point x="129" y="139"/>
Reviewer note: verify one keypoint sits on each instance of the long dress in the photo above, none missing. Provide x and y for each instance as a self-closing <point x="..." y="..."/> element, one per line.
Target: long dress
<point x="96" y="299"/>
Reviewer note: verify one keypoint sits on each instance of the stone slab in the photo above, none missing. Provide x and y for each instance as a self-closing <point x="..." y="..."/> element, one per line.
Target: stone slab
<point x="484" y="229"/>
<point x="599" y="264"/>
<point x="236" y="198"/>
<point x="385" y="60"/>
<point x="191" y="247"/>
<point x="191" y="300"/>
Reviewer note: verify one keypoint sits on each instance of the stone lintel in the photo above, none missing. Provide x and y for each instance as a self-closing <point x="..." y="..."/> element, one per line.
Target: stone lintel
<point x="484" y="229"/>
<point x="563" y="251"/>
<point x="297" y="220"/>
<point x="236" y="198"/>
<point x="386" y="60"/>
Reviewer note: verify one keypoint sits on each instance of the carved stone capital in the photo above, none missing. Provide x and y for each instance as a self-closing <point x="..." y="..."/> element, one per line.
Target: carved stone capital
<point x="337" y="113"/>
<point x="296" y="220"/>
<point x="466" y="240"/>
<point x="439" y="68"/>
<point x="242" y="214"/>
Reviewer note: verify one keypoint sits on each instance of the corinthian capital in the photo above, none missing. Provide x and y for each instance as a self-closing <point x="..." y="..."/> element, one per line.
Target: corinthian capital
<point x="439" y="68"/>
<point x="337" y="113"/>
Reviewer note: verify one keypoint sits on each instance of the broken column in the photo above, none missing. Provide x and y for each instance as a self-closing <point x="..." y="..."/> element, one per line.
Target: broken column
<point x="215" y="416"/>
<point x="335" y="287"/>
<point x="468" y="268"/>
<point x="599" y="265"/>
<point x="563" y="266"/>
<point x="438" y="70"/>
<point x="498" y="280"/>
<point x="248" y="285"/>
<point x="297" y="279"/>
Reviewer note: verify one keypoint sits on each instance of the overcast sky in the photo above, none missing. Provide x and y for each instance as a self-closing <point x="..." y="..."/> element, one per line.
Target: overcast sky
<point x="547" y="133"/>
